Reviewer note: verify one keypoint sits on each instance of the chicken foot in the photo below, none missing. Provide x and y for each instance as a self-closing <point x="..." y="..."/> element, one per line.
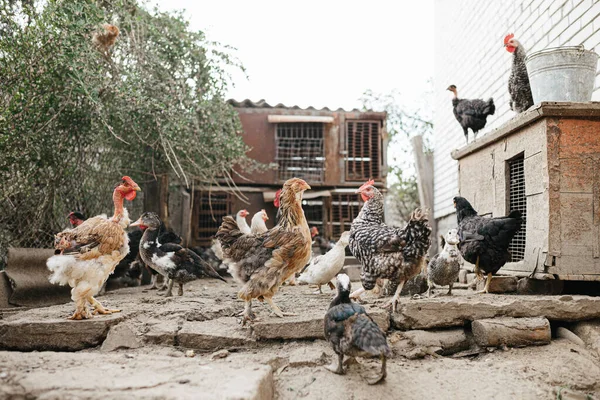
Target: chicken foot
<point x="318" y="291"/>
<point x="277" y="310"/>
<point x="170" y="288"/>
<point x="99" y="309"/>
<point x="487" y="284"/>
<point x="180" y="291"/>
<point x="357" y="293"/>
<point x="394" y="301"/>
<point x="382" y="374"/>
<point x="248" y="315"/>
<point x="81" y="311"/>
<point x="339" y="368"/>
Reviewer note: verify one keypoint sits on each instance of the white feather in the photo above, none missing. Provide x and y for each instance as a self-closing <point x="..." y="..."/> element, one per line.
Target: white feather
<point x="323" y="269"/>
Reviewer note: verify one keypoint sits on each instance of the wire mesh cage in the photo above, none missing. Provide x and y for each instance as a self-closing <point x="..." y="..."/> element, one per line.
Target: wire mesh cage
<point x="209" y="210"/>
<point x="518" y="202"/>
<point x="363" y="150"/>
<point x="299" y="151"/>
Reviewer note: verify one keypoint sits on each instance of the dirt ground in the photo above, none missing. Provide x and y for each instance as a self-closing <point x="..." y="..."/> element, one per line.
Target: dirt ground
<point x="295" y="369"/>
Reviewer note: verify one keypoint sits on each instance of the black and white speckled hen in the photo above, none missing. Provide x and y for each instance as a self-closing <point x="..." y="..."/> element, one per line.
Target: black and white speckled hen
<point x="484" y="241"/>
<point x="383" y="251"/>
<point x="172" y="261"/>
<point x="262" y="262"/>
<point x="352" y="332"/>
<point x="519" y="88"/>
<point x="471" y="113"/>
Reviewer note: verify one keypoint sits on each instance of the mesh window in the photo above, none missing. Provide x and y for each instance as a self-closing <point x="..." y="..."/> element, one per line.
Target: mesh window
<point x="344" y="208"/>
<point x="209" y="214"/>
<point x="517" y="201"/>
<point x="299" y="151"/>
<point x="363" y="151"/>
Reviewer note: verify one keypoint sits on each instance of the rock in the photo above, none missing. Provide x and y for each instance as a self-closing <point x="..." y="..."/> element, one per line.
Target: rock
<point x="462" y="276"/>
<point x="5" y="291"/>
<point x="120" y="336"/>
<point x="574" y="370"/>
<point x="471" y="277"/>
<point x="214" y="334"/>
<point x="416" y="285"/>
<point x="307" y="357"/>
<point x="589" y="332"/>
<point x="564" y="393"/>
<point x="219" y="354"/>
<point x="161" y="332"/>
<point x="540" y="287"/>
<point x="306" y="327"/>
<point x="56" y="334"/>
<point x="190" y="353"/>
<point x="353" y="271"/>
<point x="445" y="311"/>
<point x="500" y="284"/>
<point x="511" y="331"/>
<point x="564" y="333"/>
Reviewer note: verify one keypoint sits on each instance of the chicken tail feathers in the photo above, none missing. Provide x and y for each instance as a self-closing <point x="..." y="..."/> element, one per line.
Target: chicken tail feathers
<point x="490" y="107"/>
<point x="367" y="336"/>
<point x="516" y="214"/>
<point x="229" y="232"/>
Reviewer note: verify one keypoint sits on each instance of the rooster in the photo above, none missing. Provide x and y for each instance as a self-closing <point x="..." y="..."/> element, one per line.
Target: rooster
<point x="518" y="81"/>
<point x="471" y="113"/>
<point x="89" y="253"/>
<point x="383" y="251"/>
<point x="261" y="263"/>
<point x="484" y="241"/>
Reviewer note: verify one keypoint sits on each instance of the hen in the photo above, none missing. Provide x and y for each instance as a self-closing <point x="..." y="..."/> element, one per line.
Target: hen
<point x="261" y="263"/>
<point x="172" y="261"/>
<point x="383" y="251"/>
<point x="484" y="241"/>
<point x="444" y="267"/>
<point x="76" y="218"/>
<point x="352" y="332"/>
<point x="89" y="253"/>
<point x="518" y="81"/>
<point x="471" y="113"/>
<point x="258" y="223"/>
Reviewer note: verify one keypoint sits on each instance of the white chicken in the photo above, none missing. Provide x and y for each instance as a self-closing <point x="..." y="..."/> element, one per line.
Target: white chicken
<point x="89" y="253"/>
<point x="322" y="269"/>
<point x="258" y="224"/>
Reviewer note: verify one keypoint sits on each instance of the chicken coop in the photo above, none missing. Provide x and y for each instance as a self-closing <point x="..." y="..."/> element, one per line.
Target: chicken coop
<point x="334" y="151"/>
<point x="545" y="163"/>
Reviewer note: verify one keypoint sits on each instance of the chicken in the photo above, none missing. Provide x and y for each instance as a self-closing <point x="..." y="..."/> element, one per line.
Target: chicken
<point x="89" y="253"/>
<point x="444" y="267"/>
<point x="383" y="251"/>
<point x="258" y="223"/>
<point x="105" y="40"/>
<point x="240" y="218"/>
<point x="172" y="261"/>
<point x="471" y="113"/>
<point x="76" y="218"/>
<point x="352" y="332"/>
<point x="261" y="263"/>
<point x="323" y="244"/>
<point x="518" y="81"/>
<point x="484" y="241"/>
<point x="322" y="269"/>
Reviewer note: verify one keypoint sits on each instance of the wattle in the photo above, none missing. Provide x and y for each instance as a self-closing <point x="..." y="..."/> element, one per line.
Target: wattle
<point x="131" y="195"/>
<point x="510" y="49"/>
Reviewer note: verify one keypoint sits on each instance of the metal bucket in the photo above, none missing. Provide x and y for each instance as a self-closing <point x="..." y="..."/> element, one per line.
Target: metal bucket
<point x="562" y="74"/>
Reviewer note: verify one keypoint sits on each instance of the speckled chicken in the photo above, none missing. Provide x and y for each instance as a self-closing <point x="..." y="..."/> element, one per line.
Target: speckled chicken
<point x="261" y="263"/>
<point x="322" y="269"/>
<point x="172" y="261"/>
<point x="352" y="332"/>
<point x="484" y="241"/>
<point x="519" y="88"/>
<point x="443" y="268"/>
<point x="386" y="252"/>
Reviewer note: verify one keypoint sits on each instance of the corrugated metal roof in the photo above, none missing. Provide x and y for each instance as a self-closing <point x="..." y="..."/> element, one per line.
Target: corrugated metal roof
<point x="247" y="103"/>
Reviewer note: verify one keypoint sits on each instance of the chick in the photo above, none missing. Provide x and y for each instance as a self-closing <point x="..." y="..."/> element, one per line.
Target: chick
<point x="352" y="332"/>
<point x="322" y="269"/>
<point x="443" y="268"/>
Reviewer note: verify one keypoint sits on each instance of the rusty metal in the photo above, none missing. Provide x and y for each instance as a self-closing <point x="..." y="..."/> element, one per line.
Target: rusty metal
<point x="363" y="151"/>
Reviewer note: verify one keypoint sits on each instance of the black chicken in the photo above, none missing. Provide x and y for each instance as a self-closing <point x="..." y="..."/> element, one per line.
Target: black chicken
<point x="172" y="261"/>
<point x="471" y="113"/>
<point x="484" y="241"/>
<point x="352" y="332"/>
<point x="519" y="88"/>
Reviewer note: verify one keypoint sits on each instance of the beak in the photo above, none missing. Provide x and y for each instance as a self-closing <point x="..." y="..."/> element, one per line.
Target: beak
<point x="137" y="223"/>
<point x="137" y="188"/>
<point x="307" y="187"/>
<point x="358" y="191"/>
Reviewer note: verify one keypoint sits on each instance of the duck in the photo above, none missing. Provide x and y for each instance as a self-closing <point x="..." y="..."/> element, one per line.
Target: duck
<point x="171" y="260"/>
<point x="322" y="269"/>
<point x="352" y="332"/>
<point x="444" y="267"/>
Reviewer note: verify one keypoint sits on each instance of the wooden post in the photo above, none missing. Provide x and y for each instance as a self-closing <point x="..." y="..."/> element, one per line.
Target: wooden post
<point x="511" y="331"/>
<point x="424" y="167"/>
<point x="156" y="195"/>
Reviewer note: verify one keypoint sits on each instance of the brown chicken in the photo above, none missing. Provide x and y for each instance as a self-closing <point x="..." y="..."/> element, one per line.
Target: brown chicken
<point x="261" y="263"/>
<point x="88" y="254"/>
<point x="105" y="40"/>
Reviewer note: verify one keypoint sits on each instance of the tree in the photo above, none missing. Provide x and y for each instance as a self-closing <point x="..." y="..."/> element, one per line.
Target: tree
<point x="75" y="116"/>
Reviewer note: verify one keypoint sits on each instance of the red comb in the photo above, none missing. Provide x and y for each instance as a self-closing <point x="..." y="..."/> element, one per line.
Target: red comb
<point x="368" y="183"/>
<point x="508" y="37"/>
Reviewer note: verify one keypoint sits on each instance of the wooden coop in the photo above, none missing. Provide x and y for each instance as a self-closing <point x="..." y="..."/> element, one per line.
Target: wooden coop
<point x="545" y="163"/>
<point x="335" y="151"/>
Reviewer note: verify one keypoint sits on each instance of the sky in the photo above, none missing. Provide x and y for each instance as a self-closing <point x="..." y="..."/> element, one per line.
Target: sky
<point x="320" y="53"/>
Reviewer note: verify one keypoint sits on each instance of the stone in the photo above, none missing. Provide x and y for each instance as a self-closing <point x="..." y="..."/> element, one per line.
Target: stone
<point x="56" y="334"/>
<point x="449" y="311"/>
<point x="589" y="332"/>
<point x="353" y="272"/>
<point x="5" y="290"/>
<point x="580" y="371"/>
<point x="495" y="332"/>
<point x="121" y="336"/>
<point x="307" y="357"/>
<point x="462" y="276"/>
<point x="449" y="341"/>
<point x="564" y="333"/>
<point x="161" y="332"/>
<point x="500" y="284"/>
<point x="540" y="287"/>
<point x="306" y="327"/>
<point x="190" y="353"/>
<point x="219" y="354"/>
<point x="214" y="334"/>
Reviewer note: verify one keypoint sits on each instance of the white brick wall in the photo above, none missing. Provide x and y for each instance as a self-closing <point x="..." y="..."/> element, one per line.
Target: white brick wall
<point x="469" y="53"/>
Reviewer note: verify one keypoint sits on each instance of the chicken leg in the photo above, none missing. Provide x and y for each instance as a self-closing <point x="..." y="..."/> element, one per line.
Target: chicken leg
<point x="429" y="287"/>
<point x="357" y="293"/>
<point x="170" y="288"/>
<point x="382" y="374"/>
<point x="331" y="285"/>
<point x="339" y="368"/>
<point x="318" y="291"/>
<point x="487" y="284"/>
<point x="248" y="315"/>
<point x="180" y="291"/>
<point x="277" y="310"/>
<point x="99" y="309"/>
<point x="394" y="301"/>
<point x="79" y="294"/>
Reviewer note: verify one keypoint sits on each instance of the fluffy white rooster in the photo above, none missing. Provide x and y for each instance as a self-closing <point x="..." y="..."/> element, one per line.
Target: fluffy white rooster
<point x="322" y="269"/>
<point x="88" y="254"/>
